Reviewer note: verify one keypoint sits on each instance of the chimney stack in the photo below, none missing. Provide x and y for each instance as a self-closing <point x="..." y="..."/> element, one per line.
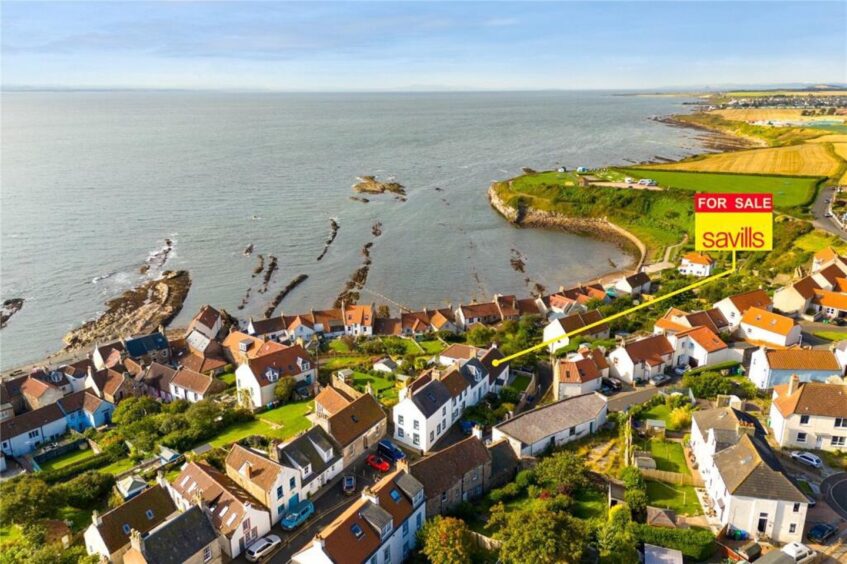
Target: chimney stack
<point x="477" y="432"/>
<point x="136" y="541"/>
<point x="744" y="428"/>
<point x="273" y="451"/>
<point x="369" y="495"/>
<point x="95" y="518"/>
<point x="793" y="384"/>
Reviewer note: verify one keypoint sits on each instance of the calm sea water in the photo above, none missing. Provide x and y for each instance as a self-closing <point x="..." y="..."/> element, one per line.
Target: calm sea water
<point x="93" y="182"/>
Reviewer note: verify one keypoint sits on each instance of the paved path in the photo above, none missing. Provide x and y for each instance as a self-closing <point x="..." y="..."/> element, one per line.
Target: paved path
<point x="623" y="400"/>
<point x="820" y="207"/>
<point x="834" y="491"/>
<point x="666" y="261"/>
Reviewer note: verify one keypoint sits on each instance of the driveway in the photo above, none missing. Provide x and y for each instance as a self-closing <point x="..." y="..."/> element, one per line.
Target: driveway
<point x="331" y="503"/>
<point x="624" y="400"/>
<point x="834" y="492"/>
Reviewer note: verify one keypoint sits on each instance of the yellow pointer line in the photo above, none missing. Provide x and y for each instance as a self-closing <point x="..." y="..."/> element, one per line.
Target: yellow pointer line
<point x="545" y="344"/>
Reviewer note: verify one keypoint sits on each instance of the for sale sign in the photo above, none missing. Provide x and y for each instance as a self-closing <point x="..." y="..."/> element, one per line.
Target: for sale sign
<point x="733" y="222"/>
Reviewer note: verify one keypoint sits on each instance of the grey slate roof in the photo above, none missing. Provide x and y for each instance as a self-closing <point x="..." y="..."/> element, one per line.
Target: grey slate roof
<point x="378" y="517"/>
<point x="724" y="420"/>
<point x="431" y="397"/>
<point x="749" y="468"/>
<point x="302" y="451"/>
<point x="467" y="371"/>
<point x="537" y="424"/>
<point x="139" y="346"/>
<point x="174" y="541"/>
<point x="410" y="486"/>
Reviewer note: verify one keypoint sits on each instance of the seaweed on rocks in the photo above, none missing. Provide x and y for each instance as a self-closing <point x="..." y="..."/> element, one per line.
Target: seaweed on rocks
<point x="260" y="266"/>
<point x="10" y="307"/>
<point x="376" y="229"/>
<point x="284" y="292"/>
<point x="269" y="272"/>
<point x="333" y="233"/>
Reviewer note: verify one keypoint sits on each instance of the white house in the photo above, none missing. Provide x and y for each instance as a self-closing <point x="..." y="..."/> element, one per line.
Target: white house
<point x="239" y="518"/>
<point x="534" y="431"/>
<point x="379" y="528"/>
<point x="796" y="298"/>
<point x="358" y="320"/>
<point x="699" y="346"/>
<point x="810" y="415"/>
<point x="562" y="326"/>
<point x="734" y="307"/>
<point x="193" y="386"/>
<point x="634" y="285"/>
<point x="257" y="378"/>
<point x="746" y="484"/>
<point x="641" y="359"/>
<point x="386" y="364"/>
<point x="763" y="327"/>
<point x="769" y="368"/>
<point x="575" y="376"/>
<point x="697" y="264"/>
<point x="833" y="305"/>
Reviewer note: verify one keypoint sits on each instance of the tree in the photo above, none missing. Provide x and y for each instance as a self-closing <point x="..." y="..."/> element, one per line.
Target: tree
<point x="637" y="501"/>
<point x="24" y="500"/>
<point x="204" y="415"/>
<point x="632" y="478"/>
<point x="86" y="490"/>
<point x="480" y="336"/>
<point x="32" y="548"/>
<point x="617" y="537"/>
<point x="679" y="418"/>
<point x="446" y="540"/>
<point x="538" y="535"/>
<point x="564" y="471"/>
<point x="283" y="389"/>
<point x="134" y="409"/>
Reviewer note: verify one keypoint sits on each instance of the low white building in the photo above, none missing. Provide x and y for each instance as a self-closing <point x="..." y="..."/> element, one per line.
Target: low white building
<point x="379" y="528"/>
<point x="769" y="368"/>
<point x="634" y="285"/>
<point x="734" y="307"/>
<point x="552" y="425"/>
<point x="747" y="486"/>
<point x="193" y="386"/>
<point x="562" y="326"/>
<point x="796" y="298"/>
<point x="762" y="327"/>
<point x="699" y="346"/>
<point x="578" y="374"/>
<point x="697" y="264"/>
<point x="256" y="379"/>
<point x="810" y="415"/>
<point x="639" y="360"/>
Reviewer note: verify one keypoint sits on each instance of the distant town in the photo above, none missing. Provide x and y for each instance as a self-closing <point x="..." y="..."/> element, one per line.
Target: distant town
<point x="709" y="427"/>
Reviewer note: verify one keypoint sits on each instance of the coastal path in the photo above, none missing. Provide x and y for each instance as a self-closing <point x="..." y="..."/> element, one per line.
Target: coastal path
<point x="666" y="262"/>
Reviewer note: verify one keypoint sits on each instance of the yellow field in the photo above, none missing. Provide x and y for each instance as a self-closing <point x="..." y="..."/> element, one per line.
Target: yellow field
<point x="834" y="138"/>
<point x="761" y="93"/>
<point x="841" y="151"/>
<point x="800" y="160"/>
<point x="772" y="114"/>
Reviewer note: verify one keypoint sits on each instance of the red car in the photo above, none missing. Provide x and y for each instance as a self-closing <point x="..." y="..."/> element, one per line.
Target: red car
<point x="378" y="462"/>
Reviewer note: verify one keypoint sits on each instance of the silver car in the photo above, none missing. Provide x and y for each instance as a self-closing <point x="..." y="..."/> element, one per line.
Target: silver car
<point x="807" y="458"/>
<point x="262" y="547"/>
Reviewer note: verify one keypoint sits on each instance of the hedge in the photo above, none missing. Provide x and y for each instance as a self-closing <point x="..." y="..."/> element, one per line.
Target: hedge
<point x="108" y="456"/>
<point x="697" y="544"/>
<point x="714" y="367"/>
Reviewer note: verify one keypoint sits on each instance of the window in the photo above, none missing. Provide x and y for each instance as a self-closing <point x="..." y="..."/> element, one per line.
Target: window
<point x="280" y="510"/>
<point x="796" y="507"/>
<point x="804" y="420"/>
<point x="395" y="495"/>
<point x="838" y="441"/>
<point x="149" y="514"/>
<point x="416" y="439"/>
<point x="405" y="527"/>
<point x="279" y="492"/>
<point x="418" y="521"/>
<point x="431" y="436"/>
<point x="792" y="528"/>
<point x="444" y="497"/>
<point x="400" y="419"/>
<point x="416" y="425"/>
<point x="572" y="431"/>
<point x="292" y="483"/>
<point x="207" y="553"/>
<point x="801" y="437"/>
<point x="126" y="529"/>
<point x="357" y="530"/>
<point x="386" y="554"/>
<point x="245" y="525"/>
<point x="444" y="411"/>
<point x="841" y="421"/>
<point x="33" y="434"/>
<point x="400" y="433"/>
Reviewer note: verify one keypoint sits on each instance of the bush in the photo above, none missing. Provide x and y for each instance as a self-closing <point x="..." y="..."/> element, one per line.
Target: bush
<point x="533" y="491"/>
<point x="680" y="418"/>
<point x="559" y="503"/>
<point x="632" y="478"/>
<point x="509" y="395"/>
<point x="86" y="490"/>
<point x="697" y="544"/>
<point x="507" y="492"/>
<point x="525" y="478"/>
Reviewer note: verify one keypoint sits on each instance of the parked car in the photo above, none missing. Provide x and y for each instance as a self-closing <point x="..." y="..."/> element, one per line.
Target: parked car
<point x="807" y="458"/>
<point x="348" y="484"/>
<point x="298" y="515"/>
<point x="378" y="462"/>
<point x="660" y="379"/>
<point x="607" y="391"/>
<point x="612" y="383"/>
<point x="679" y="370"/>
<point x="262" y="547"/>
<point x="821" y="533"/>
<point x="389" y="450"/>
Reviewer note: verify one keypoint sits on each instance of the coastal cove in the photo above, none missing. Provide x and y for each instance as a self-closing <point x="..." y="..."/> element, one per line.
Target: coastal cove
<point x="271" y="171"/>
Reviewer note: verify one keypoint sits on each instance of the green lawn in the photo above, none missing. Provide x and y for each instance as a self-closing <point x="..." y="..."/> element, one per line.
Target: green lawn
<point x="411" y="347"/>
<point x="227" y="378"/>
<point x="79" y="518"/>
<point x="432" y="347"/>
<point x="660" y="411"/>
<point x="339" y="362"/>
<point x="681" y="499"/>
<point x="118" y="467"/>
<point x="788" y="191"/>
<point x="520" y="383"/>
<point x="831" y="335"/>
<point x="590" y="503"/>
<point x="385" y="390"/>
<point x="669" y="456"/>
<point x="67" y="459"/>
<point x="290" y="417"/>
<point x="339" y="346"/>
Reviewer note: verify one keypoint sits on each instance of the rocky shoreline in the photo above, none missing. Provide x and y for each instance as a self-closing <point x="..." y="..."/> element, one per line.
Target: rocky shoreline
<point x="140" y="310"/>
<point x="712" y="139"/>
<point x="370" y="185"/>
<point x="599" y="228"/>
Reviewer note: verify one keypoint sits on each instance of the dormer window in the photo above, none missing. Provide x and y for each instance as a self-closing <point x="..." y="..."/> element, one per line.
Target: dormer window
<point x="272" y="375"/>
<point x="307" y="469"/>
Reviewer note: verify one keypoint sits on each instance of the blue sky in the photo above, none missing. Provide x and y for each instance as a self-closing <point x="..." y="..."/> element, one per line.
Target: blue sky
<point x="421" y="46"/>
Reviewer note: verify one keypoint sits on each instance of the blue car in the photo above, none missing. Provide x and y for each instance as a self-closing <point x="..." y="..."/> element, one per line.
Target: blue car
<point x="389" y="450"/>
<point x="298" y="515"/>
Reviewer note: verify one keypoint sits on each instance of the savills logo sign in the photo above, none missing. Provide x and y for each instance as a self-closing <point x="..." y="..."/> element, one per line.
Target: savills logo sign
<point x="739" y="222"/>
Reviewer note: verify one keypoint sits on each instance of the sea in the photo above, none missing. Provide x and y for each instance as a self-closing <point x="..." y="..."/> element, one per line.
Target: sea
<point x="92" y="184"/>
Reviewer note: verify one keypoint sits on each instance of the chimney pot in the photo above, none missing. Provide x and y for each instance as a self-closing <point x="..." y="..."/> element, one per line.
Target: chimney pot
<point x="793" y="384"/>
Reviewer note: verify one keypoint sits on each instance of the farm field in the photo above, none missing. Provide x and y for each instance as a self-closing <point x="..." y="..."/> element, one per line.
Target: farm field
<point x="834" y="138"/>
<point x="788" y="191"/>
<point x="811" y="159"/>
<point x="841" y="150"/>
<point x="771" y="114"/>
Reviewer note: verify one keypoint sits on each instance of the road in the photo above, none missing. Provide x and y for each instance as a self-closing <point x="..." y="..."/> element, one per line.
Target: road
<point x="623" y="400"/>
<point x="820" y="207"/>
<point x="834" y="491"/>
<point x="331" y="503"/>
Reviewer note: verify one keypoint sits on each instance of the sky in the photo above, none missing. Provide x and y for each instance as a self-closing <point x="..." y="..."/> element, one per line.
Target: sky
<point x="375" y="46"/>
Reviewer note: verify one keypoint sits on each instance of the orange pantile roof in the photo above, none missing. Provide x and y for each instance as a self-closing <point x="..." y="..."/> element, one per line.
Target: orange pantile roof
<point x="704" y="337"/>
<point x="332" y="400"/>
<point x="834" y="300"/>
<point x="812" y="398"/>
<point x="577" y="371"/>
<point x="358" y="315"/>
<point x="754" y="298"/>
<point x="768" y="321"/>
<point x="698" y="258"/>
<point x="826" y="254"/>
<point x="808" y="359"/>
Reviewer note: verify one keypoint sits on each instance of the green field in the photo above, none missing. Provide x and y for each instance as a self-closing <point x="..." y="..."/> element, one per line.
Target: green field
<point x="788" y="191"/>
<point x="67" y="459"/>
<point x="520" y="383"/>
<point x="118" y="467"/>
<point x="831" y="335"/>
<point x="432" y="347"/>
<point x="228" y="378"/>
